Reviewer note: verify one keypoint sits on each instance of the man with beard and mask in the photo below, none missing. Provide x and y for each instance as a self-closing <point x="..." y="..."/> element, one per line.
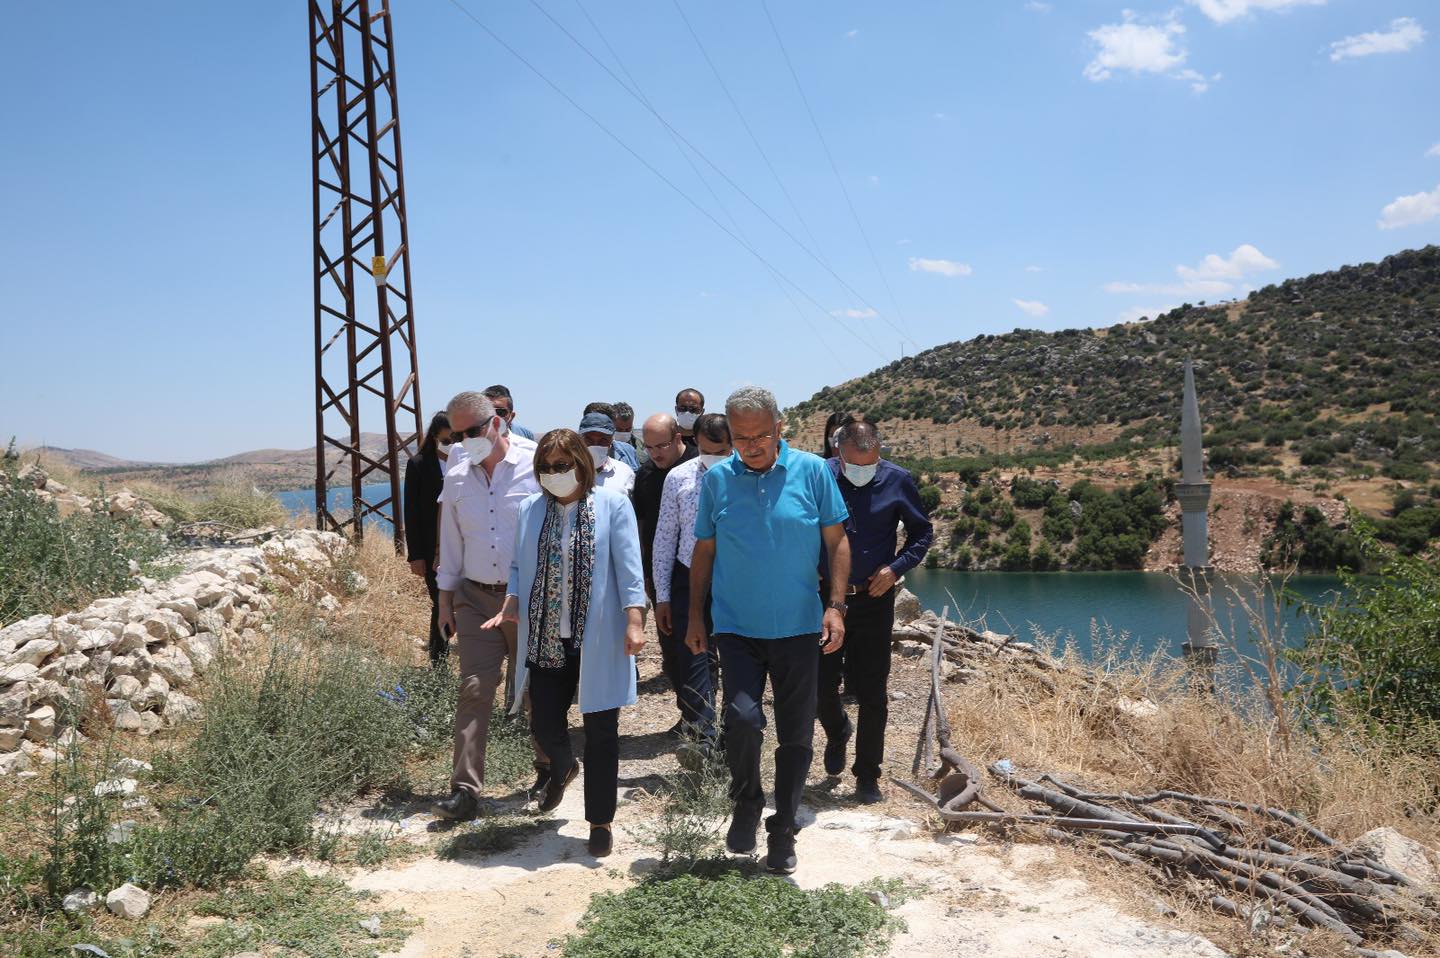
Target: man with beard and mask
<point x="689" y="406"/>
<point x="618" y="450"/>
<point x="598" y="432"/>
<point x="879" y="496"/>
<point x="479" y="509"/>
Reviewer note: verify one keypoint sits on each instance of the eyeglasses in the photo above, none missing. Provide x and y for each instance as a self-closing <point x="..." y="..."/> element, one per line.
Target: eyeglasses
<point x="660" y="447"/>
<point x="696" y="408"/>
<point x="759" y="440"/>
<point x="474" y="432"/>
<point x="502" y="412"/>
<point x="554" y="468"/>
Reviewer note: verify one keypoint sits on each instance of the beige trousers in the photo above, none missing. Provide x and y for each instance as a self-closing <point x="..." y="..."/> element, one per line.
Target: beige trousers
<point x="483" y="655"/>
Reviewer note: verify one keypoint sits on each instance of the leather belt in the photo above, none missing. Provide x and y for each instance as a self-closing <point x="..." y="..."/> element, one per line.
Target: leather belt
<point x="496" y="588"/>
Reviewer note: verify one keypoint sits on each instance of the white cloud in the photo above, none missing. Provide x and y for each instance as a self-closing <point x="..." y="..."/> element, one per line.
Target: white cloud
<point x="1032" y="306"/>
<point x="1434" y="151"/>
<point x="904" y="241"/>
<point x="1410" y="210"/>
<point x="944" y="267"/>
<point x="1215" y="275"/>
<point x="1242" y="261"/>
<point x="1224" y="11"/>
<point x="853" y="313"/>
<point x="1405" y="33"/>
<point x="1136" y="313"/>
<point x="1035" y="6"/>
<point x="1034" y="269"/>
<point x="851" y="34"/>
<point x="1136" y="47"/>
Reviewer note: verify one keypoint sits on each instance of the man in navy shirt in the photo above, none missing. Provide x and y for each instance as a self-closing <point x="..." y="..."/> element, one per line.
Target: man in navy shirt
<point x="762" y="516"/>
<point x="879" y="496"/>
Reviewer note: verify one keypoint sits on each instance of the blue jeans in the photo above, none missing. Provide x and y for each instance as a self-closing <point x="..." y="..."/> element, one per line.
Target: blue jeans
<point x="693" y="676"/>
<point x="792" y="666"/>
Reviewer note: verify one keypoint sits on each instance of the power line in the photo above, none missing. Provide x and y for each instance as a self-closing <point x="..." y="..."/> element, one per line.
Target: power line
<point x="640" y="159"/>
<point x="710" y="163"/>
<point x="710" y="189"/>
<point x="836" y="170"/>
<point x="744" y="123"/>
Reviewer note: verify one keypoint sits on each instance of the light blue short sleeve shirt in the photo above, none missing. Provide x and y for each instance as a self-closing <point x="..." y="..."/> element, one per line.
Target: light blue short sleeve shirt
<point x="766" y="528"/>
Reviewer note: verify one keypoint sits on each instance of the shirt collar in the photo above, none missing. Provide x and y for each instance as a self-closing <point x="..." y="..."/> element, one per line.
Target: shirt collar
<point x="782" y="461"/>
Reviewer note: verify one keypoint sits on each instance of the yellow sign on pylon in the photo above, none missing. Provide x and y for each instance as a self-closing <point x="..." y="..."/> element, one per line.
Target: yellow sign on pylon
<point x="378" y="270"/>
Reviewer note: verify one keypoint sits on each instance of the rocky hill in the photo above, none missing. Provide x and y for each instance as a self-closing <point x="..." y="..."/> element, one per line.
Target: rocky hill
<point x="1325" y="387"/>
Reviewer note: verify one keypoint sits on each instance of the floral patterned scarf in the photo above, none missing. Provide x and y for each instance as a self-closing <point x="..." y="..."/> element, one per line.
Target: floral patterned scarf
<point x="547" y="648"/>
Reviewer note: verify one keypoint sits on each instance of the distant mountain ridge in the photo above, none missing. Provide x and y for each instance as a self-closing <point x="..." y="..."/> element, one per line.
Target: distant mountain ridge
<point x="1350" y="357"/>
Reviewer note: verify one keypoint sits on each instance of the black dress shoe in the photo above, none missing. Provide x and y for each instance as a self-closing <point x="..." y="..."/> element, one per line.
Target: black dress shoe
<point x="459" y="807"/>
<point x="555" y="788"/>
<point x="835" y="750"/>
<point x="600" y="841"/>
<point x="542" y="778"/>
<point x="867" y="791"/>
<point x="780" y="857"/>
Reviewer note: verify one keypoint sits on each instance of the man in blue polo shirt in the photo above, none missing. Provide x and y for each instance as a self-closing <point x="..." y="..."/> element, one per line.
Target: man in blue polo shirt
<point x="880" y="496"/>
<point x="762" y="518"/>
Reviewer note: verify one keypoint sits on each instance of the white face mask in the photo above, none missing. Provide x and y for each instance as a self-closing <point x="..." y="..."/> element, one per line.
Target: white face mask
<point x="598" y="455"/>
<point x="686" y="419"/>
<point x="560" y="484"/>
<point x="478" y="448"/>
<point x="860" y="475"/>
<point x="623" y="435"/>
<point x="710" y="462"/>
<point x="445" y="448"/>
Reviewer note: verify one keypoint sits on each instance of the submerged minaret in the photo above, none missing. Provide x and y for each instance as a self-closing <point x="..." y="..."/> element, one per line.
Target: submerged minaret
<point x="1194" y="495"/>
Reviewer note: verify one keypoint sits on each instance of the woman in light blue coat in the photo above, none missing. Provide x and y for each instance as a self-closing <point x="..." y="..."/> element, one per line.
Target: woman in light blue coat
<point x="577" y="597"/>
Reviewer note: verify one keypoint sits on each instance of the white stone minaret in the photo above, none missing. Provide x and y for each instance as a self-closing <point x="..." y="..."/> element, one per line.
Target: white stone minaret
<point x="1194" y="495"/>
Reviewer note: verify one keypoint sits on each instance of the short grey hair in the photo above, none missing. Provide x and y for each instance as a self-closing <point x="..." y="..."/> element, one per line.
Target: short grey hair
<point x="475" y="403"/>
<point x="864" y="436"/>
<point x="748" y="399"/>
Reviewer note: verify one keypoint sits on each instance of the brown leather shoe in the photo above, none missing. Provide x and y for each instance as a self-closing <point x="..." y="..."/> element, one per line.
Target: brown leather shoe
<point x="555" y="788"/>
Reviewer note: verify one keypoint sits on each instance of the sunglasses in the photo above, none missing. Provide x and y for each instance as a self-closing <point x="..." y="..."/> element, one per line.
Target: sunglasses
<point x="554" y="468"/>
<point x="474" y="432"/>
<point x="502" y="412"/>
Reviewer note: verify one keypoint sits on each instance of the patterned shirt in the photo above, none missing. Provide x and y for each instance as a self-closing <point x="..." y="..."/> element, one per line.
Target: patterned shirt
<point x="675" y="529"/>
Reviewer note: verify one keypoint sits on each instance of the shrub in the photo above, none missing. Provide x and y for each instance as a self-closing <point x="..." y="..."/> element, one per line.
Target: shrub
<point x="49" y="563"/>
<point x="1378" y="653"/>
<point x="929" y="497"/>
<point x="238" y="503"/>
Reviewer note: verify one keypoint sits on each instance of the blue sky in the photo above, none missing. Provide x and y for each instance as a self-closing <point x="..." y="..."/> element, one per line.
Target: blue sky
<point x="1011" y="163"/>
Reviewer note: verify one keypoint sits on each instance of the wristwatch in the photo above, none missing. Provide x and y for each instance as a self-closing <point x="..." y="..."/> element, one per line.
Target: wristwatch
<point x="840" y="607"/>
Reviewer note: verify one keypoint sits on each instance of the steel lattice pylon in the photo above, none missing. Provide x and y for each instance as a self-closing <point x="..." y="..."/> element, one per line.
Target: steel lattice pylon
<point x="364" y="358"/>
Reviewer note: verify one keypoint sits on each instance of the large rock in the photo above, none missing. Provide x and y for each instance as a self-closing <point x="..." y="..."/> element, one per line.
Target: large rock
<point x="123" y="715"/>
<point x="180" y="707"/>
<point x="26" y="630"/>
<point x="133" y="637"/>
<point x="174" y="665"/>
<point x="201" y="648"/>
<point x="68" y="634"/>
<point x="185" y="606"/>
<point x="81" y="901"/>
<point x="126" y="687"/>
<point x="12" y="763"/>
<point x="15" y="704"/>
<point x="34" y="652"/>
<point x="907" y="606"/>
<point x="93" y="639"/>
<point x="153" y="695"/>
<point x="1400" y="853"/>
<point x="19" y="672"/>
<point x="128" y="901"/>
<point x="10" y="739"/>
<point x="40" y="724"/>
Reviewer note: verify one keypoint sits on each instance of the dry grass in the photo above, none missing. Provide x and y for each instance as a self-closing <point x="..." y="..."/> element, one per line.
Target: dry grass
<point x="1228" y="744"/>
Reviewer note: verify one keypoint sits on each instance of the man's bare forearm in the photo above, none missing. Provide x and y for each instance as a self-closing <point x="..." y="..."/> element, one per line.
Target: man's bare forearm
<point x="839" y="550"/>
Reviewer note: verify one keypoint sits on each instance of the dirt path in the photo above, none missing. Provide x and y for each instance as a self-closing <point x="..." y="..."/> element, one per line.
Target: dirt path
<point x="980" y="896"/>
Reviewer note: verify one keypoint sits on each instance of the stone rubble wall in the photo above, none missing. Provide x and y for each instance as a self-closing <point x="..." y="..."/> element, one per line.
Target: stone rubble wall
<point x="140" y="651"/>
<point x="123" y="504"/>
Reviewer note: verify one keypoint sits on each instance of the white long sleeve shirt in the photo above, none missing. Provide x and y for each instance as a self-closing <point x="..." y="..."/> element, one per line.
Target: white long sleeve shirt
<point x="675" y="528"/>
<point x="479" y="516"/>
<point x="615" y="476"/>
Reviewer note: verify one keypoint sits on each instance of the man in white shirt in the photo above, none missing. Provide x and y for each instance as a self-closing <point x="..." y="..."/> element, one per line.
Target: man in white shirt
<point x="479" y="513"/>
<point x="691" y="674"/>
<point x="598" y="432"/>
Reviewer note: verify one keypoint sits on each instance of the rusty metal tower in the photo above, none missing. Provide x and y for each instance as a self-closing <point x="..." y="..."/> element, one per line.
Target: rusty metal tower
<point x="365" y="363"/>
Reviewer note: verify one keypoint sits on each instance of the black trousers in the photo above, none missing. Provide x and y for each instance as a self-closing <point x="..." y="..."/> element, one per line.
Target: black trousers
<point x="439" y="644"/>
<point x="551" y="692"/>
<point x="691" y="675"/>
<point x="864" y="664"/>
<point x="792" y="666"/>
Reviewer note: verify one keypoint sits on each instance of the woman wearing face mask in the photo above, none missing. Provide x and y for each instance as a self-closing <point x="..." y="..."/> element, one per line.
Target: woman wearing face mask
<point x="577" y="595"/>
<point x="424" y="477"/>
<point x="832" y="428"/>
<point x="691" y="675"/>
